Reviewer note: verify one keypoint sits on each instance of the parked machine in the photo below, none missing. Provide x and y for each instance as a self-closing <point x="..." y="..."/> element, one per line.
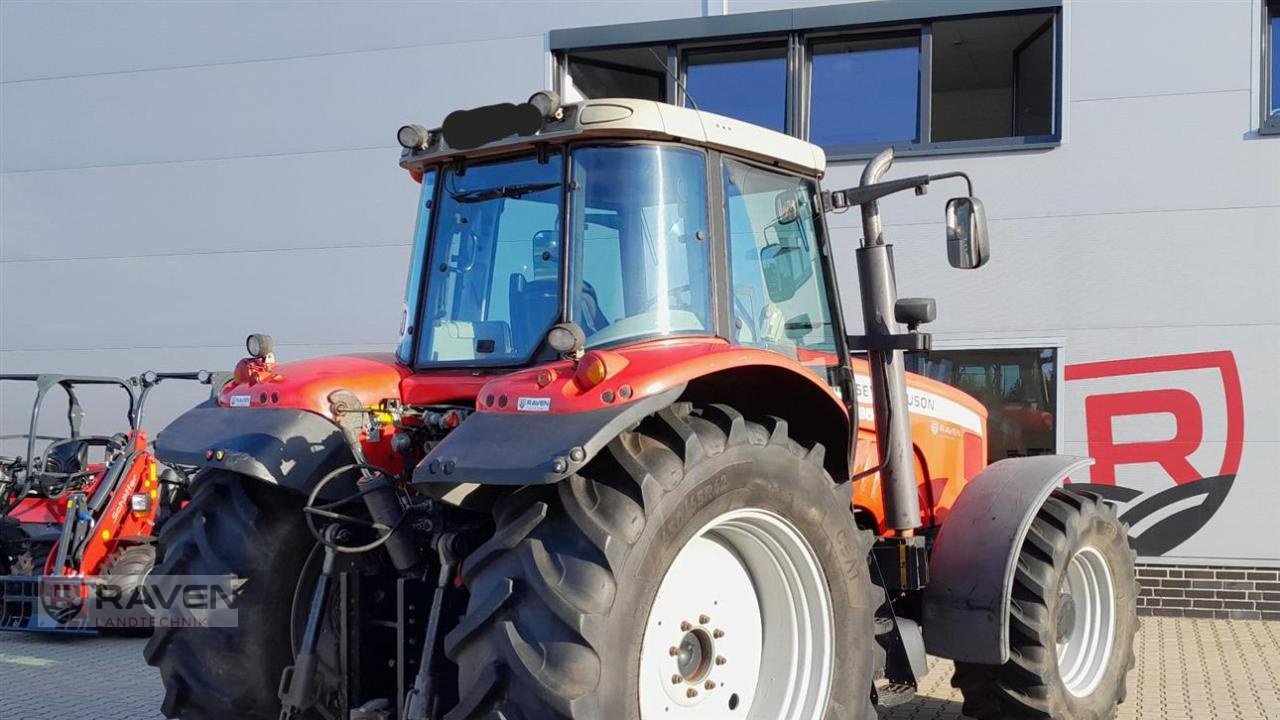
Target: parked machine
<point x="84" y="508"/>
<point x="629" y="462"/>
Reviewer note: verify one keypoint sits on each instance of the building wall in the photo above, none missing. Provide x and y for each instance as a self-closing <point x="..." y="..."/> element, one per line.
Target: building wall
<point x="173" y="176"/>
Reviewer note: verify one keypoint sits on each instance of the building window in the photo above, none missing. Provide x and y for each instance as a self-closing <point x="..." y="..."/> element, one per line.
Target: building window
<point x="973" y="76"/>
<point x="1271" y="69"/>
<point x="1018" y="387"/>
<point x="635" y="72"/>
<point x="992" y="78"/>
<point x="747" y="83"/>
<point x="865" y="90"/>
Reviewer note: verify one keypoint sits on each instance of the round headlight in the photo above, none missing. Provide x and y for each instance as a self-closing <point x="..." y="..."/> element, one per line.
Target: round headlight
<point x="413" y="137"/>
<point x="259" y="345"/>
<point x="204" y="377"/>
<point x="566" y="338"/>
<point x="150" y="378"/>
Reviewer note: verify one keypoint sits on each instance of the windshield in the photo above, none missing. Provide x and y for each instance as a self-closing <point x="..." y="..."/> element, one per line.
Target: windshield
<point x="493" y="280"/>
<point x="640" y="260"/>
<point x="640" y="237"/>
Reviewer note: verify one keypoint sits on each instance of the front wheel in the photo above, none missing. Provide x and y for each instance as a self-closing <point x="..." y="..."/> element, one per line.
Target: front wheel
<point x="1073" y="616"/>
<point x="701" y="567"/>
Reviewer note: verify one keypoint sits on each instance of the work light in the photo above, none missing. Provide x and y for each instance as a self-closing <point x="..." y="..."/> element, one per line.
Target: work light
<point x="259" y="345"/>
<point x="413" y="137"/>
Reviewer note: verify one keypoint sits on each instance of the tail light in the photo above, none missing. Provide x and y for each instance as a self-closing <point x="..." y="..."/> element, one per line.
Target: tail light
<point x="975" y="455"/>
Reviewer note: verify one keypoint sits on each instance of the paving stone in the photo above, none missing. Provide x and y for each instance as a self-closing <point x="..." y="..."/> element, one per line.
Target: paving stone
<point x="1197" y="669"/>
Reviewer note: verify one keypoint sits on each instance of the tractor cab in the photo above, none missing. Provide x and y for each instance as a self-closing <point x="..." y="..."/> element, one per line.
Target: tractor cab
<point x="609" y="224"/>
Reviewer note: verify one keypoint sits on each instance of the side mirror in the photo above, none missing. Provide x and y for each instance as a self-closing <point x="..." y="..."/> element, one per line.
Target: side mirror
<point x="785" y="207"/>
<point x="967" y="247"/>
<point x="785" y="270"/>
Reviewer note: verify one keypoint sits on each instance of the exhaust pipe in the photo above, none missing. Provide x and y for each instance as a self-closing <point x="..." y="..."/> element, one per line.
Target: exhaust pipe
<point x="879" y="289"/>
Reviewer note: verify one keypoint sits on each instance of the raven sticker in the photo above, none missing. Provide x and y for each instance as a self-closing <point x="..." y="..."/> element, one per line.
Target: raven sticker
<point x="1183" y="388"/>
<point x="542" y="404"/>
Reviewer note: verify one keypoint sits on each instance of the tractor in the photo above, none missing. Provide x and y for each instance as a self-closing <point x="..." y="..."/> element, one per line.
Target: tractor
<point x="81" y="514"/>
<point x="628" y="462"/>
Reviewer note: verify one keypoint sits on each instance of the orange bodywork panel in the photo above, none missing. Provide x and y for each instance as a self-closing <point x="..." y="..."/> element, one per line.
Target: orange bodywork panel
<point x="948" y="432"/>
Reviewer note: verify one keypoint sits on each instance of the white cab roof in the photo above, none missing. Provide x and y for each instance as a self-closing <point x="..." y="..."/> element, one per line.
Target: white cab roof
<point x="645" y="119"/>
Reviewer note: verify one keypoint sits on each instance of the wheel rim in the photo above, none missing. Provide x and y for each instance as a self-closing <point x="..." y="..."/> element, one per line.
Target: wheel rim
<point x="1086" y="622"/>
<point x="741" y="627"/>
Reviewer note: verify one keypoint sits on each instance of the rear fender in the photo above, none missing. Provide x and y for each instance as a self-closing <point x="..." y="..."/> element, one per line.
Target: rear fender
<point x="530" y="430"/>
<point x="971" y="568"/>
<point x="286" y="447"/>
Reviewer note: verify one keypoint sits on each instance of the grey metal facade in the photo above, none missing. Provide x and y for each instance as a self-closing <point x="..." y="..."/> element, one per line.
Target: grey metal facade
<point x="174" y="176"/>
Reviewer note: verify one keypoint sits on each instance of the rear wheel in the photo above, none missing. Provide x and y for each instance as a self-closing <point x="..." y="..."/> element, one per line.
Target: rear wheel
<point x="700" y="567"/>
<point x="245" y="528"/>
<point x="1072" y="620"/>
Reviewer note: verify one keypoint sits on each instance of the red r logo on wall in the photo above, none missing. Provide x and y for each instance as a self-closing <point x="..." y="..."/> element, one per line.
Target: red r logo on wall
<point x="1172" y="454"/>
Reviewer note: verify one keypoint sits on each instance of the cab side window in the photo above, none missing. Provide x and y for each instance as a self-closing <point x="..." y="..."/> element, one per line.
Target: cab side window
<point x="780" y="299"/>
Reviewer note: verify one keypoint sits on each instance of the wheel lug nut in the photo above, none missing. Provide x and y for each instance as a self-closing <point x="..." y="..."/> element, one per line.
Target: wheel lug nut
<point x="720" y="660"/>
<point x="717" y="633"/>
<point x="710" y="685"/>
<point x="691" y="693"/>
<point x="704" y="619"/>
<point x="675" y="679"/>
<point x="685" y="626"/>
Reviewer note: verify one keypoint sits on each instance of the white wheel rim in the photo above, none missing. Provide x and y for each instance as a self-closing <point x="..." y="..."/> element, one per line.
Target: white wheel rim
<point x="1084" y="643"/>
<point x="741" y="627"/>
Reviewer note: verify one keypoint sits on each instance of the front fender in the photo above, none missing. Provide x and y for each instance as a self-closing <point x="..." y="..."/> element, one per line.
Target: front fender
<point x="282" y="446"/>
<point x="971" y="568"/>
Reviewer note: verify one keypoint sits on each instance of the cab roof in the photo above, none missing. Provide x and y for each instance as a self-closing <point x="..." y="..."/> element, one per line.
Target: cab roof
<point x="629" y="118"/>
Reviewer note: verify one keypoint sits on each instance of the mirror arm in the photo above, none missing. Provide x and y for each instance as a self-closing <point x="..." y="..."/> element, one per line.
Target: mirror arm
<point x="959" y="174"/>
<point x="842" y="199"/>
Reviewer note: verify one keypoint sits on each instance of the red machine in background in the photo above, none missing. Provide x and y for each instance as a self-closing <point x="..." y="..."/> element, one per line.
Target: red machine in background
<point x="86" y="507"/>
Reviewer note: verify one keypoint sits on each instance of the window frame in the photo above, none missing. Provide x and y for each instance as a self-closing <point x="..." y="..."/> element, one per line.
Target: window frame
<point x="1268" y="124"/>
<point x="800" y="29"/>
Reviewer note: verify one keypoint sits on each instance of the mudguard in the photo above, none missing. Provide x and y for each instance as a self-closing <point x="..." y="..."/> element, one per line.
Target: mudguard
<point x="530" y="448"/>
<point x="971" y="568"/>
<point x="282" y="446"/>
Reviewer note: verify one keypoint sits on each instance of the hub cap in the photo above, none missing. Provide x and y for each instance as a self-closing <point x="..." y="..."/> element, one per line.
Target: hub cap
<point x="741" y="627"/>
<point x="1086" y="622"/>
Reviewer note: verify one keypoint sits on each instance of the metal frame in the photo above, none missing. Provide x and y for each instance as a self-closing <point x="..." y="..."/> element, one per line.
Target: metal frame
<point x="799" y="29"/>
<point x="47" y="381"/>
<point x="1268" y="124"/>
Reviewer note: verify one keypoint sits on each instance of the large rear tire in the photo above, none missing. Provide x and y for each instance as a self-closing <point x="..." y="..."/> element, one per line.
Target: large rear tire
<point x="242" y="527"/>
<point x="1072" y="620"/>
<point x="702" y="566"/>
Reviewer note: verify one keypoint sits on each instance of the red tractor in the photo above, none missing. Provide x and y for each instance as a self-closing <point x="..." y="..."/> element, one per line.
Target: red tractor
<point x="72" y="522"/>
<point x="625" y="464"/>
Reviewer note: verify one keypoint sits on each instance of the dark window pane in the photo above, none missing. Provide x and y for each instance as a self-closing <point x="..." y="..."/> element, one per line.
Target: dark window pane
<point x="865" y="91"/>
<point x="1033" y="88"/>
<point x="749" y="85"/>
<point x="618" y="72"/>
<point x="1275" y="58"/>
<point x="973" y="95"/>
<point x="1019" y="388"/>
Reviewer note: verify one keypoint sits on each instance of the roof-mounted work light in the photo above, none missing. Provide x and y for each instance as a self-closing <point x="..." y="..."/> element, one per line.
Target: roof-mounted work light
<point x="413" y="137"/>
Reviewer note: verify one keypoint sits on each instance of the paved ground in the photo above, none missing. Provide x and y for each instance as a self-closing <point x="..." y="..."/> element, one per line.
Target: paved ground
<point x="1187" y="670"/>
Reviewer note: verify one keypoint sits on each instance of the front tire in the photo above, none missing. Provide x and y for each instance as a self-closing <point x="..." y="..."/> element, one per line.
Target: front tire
<point x="616" y="593"/>
<point x="1072" y="620"/>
